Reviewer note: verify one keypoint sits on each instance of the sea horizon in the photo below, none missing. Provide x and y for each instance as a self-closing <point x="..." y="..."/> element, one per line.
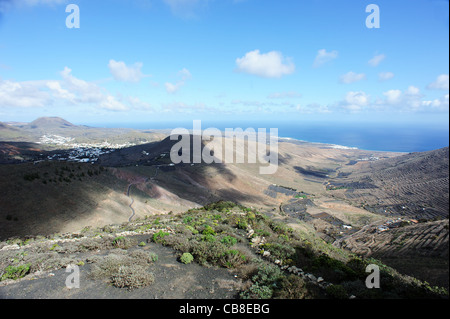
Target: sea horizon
<point x="404" y="138"/>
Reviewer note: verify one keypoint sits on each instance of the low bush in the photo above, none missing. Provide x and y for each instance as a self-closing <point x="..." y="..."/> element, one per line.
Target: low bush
<point x="228" y="241"/>
<point x="337" y="292"/>
<point x="109" y="266"/>
<point x="131" y="277"/>
<point x="159" y="236"/>
<point x="232" y="258"/>
<point x="208" y="252"/>
<point x="264" y="281"/>
<point x="209" y="231"/>
<point x="123" y="242"/>
<point x="15" y="272"/>
<point x="291" y="287"/>
<point x="257" y="291"/>
<point x="186" y="258"/>
<point x="220" y="206"/>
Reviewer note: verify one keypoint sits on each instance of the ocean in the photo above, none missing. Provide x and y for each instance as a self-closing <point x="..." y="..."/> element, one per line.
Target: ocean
<point x="365" y="136"/>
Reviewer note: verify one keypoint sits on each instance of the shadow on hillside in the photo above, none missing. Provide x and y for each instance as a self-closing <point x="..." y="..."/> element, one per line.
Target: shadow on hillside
<point x="55" y="197"/>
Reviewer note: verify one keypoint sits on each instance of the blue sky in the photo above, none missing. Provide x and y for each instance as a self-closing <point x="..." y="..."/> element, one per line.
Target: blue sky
<point x="141" y="61"/>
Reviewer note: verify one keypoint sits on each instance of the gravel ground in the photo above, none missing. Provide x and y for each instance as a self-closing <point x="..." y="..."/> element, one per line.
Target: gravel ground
<point x="173" y="280"/>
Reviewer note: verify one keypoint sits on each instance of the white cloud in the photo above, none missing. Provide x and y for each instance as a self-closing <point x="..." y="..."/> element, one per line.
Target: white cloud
<point x="185" y="75"/>
<point x="393" y="96"/>
<point x="376" y="60"/>
<point x="441" y="104"/>
<point x="122" y="72"/>
<point x="59" y="92"/>
<point x="356" y="101"/>
<point x="86" y="92"/>
<point x="138" y="104"/>
<point x="352" y="77"/>
<point x="312" y="108"/>
<point x="68" y="91"/>
<point x="384" y="76"/>
<point x="408" y="100"/>
<point x="268" y="65"/>
<point x="324" y="57"/>
<point x="23" y="94"/>
<point x="441" y="83"/>
<point x="173" y="88"/>
<point x="284" y="95"/>
<point x="112" y="104"/>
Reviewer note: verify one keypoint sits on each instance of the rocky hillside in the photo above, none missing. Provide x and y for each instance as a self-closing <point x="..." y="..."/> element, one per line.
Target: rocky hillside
<point x="247" y="254"/>
<point x="414" y="185"/>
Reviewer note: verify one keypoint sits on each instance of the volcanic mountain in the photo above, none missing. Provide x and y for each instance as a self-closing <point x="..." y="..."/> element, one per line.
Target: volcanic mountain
<point x="49" y="123"/>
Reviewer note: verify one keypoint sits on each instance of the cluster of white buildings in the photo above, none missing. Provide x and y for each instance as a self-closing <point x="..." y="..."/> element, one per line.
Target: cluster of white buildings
<point x="67" y="142"/>
<point x="80" y="155"/>
<point x="79" y="152"/>
<point x="55" y="140"/>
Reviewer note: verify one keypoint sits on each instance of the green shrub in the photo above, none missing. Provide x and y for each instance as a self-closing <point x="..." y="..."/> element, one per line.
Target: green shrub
<point x="55" y="246"/>
<point x="251" y="215"/>
<point x="16" y="272"/>
<point x="333" y="269"/>
<point x="337" y="292"/>
<point x="280" y="228"/>
<point x="159" y="236"/>
<point x="220" y="206"/>
<point x="291" y="287"/>
<point x="209" y="238"/>
<point x="207" y="252"/>
<point x="280" y="251"/>
<point x="186" y="258"/>
<point x="187" y="219"/>
<point x="242" y="224"/>
<point x="262" y="233"/>
<point x="232" y="258"/>
<point x="257" y="291"/>
<point x="180" y="243"/>
<point x="229" y="241"/>
<point x="209" y="231"/>
<point x="267" y="274"/>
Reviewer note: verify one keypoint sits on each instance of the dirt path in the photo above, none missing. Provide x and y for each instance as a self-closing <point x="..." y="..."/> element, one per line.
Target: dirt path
<point x="133" y="213"/>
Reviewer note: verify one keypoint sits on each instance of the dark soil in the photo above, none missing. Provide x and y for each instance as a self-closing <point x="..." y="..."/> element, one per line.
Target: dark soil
<point x="173" y="280"/>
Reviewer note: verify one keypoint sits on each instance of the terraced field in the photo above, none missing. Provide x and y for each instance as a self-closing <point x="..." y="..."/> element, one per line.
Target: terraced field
<point x="425" y="239"/>
<point x="413" y="185"/>
<point x="421" y="249"/>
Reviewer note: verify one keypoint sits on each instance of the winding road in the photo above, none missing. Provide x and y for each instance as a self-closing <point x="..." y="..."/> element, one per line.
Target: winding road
<point x="133" y="213"/>
<point x="131" y="204"/>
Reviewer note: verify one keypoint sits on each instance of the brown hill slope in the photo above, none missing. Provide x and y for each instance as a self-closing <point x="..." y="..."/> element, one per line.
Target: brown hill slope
<point x="414" y="185"/>
<point x="48" y="123"/>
